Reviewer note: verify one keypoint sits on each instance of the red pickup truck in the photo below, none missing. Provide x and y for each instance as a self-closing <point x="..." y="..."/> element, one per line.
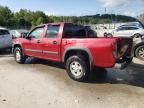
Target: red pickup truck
<point x="76" y="46"/>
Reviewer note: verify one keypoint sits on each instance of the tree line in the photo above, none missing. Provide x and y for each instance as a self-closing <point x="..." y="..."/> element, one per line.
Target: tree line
<point x="27" y="19"/>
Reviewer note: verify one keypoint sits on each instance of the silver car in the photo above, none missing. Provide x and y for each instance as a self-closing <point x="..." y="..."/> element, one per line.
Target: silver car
<point x="129" y="31"/>
<point x="5" y="39"/>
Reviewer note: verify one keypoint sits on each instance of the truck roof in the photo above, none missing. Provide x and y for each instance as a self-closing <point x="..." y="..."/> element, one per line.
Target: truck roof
<point x="54" y="23"/>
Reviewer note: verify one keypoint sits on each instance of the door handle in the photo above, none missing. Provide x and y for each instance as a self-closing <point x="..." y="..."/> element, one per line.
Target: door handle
<point x="38" y="41"/>
<point x="55" y="42"/>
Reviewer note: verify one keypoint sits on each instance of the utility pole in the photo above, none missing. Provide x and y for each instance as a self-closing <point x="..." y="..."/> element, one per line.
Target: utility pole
<point x="105" y="10"/>
<point x="112" y="16"/>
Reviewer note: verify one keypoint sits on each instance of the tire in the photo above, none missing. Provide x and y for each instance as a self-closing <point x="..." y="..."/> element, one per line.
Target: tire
<point x="109" y="35"/>
<point x="139" y="52"/>
<point x="19" y="57"/>
<point x="77" y="68"/>
<point x="105" y="34"/>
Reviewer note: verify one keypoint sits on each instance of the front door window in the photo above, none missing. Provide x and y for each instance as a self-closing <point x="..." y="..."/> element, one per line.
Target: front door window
<point x="37" y="33"/>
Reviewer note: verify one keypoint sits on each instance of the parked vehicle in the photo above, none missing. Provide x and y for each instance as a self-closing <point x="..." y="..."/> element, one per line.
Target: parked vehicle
<point x="5" y="39"/>
<point x="19" y="33"/>
<point x="76" y="46"/>
<point x="133" y="31"/>
<point x="139" y="48"/>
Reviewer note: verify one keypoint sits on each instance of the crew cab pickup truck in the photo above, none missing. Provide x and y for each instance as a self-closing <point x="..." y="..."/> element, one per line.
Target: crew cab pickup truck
<point x="77" y="47"/>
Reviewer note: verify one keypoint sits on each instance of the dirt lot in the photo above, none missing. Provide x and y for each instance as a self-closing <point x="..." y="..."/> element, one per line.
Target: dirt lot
<point x="42" y="84"/>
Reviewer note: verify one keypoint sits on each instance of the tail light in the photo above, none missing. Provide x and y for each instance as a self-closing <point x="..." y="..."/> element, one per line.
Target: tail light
<point x="119" y="51"/>
<point x="115" y="54"/>
<point x="122" y="47"/>
<point x="123" y="50"/>
<point x="115" y="50"/>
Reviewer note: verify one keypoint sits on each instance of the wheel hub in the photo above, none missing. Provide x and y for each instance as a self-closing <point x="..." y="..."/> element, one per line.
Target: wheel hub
<point x="76" y="69"/>
<point x="18" y="55"/>
<point x="141" y="52"/>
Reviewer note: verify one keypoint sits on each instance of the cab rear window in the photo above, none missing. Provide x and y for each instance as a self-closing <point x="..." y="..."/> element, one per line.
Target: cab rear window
<point x="4" y="32"/>
<point x="78" y="31"/>
<point x="74" y="31"/>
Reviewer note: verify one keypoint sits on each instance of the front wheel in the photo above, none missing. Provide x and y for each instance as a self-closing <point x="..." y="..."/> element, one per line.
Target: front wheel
<point x="18" y="54"/>
<point x="77" y="68"/>
<point x="140" y="52"/>
<point x="109" y="35"/>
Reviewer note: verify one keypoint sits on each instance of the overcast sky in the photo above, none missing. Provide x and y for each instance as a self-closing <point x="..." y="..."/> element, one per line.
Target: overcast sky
<point x="78" y="7"/>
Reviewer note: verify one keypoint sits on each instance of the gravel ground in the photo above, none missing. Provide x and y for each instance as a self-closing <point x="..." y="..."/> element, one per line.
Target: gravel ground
<point x="43" y="84"/>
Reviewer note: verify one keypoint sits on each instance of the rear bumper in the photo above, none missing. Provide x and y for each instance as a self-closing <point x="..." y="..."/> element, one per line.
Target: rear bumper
<point x="123" y="63"/>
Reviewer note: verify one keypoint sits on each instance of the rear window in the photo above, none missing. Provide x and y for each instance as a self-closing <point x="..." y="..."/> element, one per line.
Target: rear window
<point x="91" y="33"/>
<point x="4" y="32"/>
<point x="78" y="31"/>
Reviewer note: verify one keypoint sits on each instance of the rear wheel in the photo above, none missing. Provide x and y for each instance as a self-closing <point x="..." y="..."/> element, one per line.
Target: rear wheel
<point x="77" y="68"/>
<point x="140" y="52"/>
<point x="18" y="54"/>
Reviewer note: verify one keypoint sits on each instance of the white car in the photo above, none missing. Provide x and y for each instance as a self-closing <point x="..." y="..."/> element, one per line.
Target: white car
<point x="5" y="39"/>
<point x="128" y="31"/>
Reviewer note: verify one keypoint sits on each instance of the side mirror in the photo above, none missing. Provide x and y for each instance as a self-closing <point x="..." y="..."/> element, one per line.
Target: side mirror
<point x="23" y="36"/>
<point x="27" y="37"/>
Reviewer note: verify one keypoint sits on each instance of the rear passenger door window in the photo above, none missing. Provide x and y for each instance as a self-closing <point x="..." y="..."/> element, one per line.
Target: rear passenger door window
<point x="133" y="28"/>
<point x="123" y="29"/>
<point x="53" y="31"/>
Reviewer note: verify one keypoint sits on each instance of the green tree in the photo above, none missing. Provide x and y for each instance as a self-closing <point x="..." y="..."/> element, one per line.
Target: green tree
<point x="40" y="20"/>
<point x="26" y="18"/>
<point x="5" y="16"/>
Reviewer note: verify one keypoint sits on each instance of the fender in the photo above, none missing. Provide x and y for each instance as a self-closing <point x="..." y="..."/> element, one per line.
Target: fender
<point x="80" y="49"/>
<point x="17" y="44"/>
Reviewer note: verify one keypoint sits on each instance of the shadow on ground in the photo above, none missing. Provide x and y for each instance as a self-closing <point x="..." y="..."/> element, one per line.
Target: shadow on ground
<point x="32" y="60"/>
<point x="133" y="75"/>
<point x="5" y="53"/>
